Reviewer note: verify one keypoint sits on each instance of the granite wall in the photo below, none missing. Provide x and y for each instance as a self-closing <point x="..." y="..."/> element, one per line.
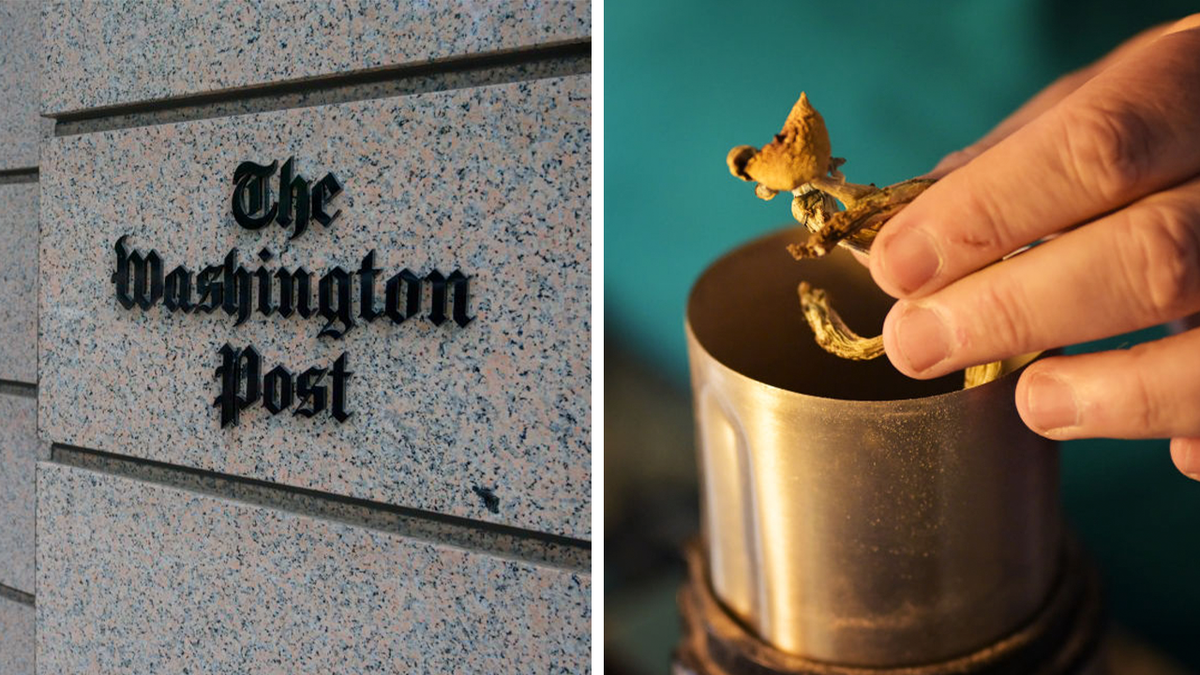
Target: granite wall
<point x="21" y="136"/>
<point x="324" y="412"/>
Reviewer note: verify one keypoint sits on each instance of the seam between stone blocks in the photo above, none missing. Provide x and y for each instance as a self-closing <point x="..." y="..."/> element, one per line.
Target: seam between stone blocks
<point x="460" y="72"/>
<point x="491" y="539"/>
<point x="10" y="593"/>
<point x="14" y="388"/>
<point x="14" y="176"/>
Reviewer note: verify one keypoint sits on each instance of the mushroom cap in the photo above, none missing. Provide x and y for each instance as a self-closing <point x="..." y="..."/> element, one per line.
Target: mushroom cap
<point x="799" y="153"/>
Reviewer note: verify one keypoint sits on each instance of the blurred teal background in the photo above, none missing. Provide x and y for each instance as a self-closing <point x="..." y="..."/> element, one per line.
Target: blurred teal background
<point x="900" y="85"/>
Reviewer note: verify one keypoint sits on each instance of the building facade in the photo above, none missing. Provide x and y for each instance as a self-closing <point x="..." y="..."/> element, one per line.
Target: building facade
<point x="295" y="337"/>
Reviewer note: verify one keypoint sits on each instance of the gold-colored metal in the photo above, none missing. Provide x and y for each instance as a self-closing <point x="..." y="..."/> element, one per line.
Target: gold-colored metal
<point x="1064" y="637"/>
<point x="850" y="514"/>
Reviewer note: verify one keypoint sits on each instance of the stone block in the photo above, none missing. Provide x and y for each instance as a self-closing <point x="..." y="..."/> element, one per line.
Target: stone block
<point x="20" y="47"/>
<point x="19" y="452"/>
<point x="488" y="421"/>
<point x="136" y="577"/>
<point x="105" y="54"/>
<point x="18" y="281"/>
<point x="16" y="637"/>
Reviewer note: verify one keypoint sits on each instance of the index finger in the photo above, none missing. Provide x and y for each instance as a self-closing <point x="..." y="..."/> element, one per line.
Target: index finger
<point x="1129" y="131"/>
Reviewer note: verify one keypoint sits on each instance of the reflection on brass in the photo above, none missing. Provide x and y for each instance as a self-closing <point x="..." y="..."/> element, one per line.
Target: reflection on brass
<point x="798" y="160"/>
<point x="1062" y="638"/>
<point x="850" y="514"/>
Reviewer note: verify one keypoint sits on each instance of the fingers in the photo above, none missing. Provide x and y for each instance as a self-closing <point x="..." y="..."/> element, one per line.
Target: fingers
<point x="1055" y="92"/>
<point x="1132" y="269"/>
<point x="1150" y="391"/>
<point x="1125" y="133"/>
<point x="1043" y="101"/>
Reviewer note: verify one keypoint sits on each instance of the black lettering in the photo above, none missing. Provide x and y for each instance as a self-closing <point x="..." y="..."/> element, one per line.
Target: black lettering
<point x="322" y="191"/>
<point x="295" y="290"/>
<point x="250" y="191"/>
<point x="340" y="376"/>
<point x="310" y="390"/>
<point x="237" y="288"/>
<point x="147" y="279"/>
<point x="367" y="273"/>
<point x="391" y="305"/>
<point x="460" y="284"/>
<point x="264" y="291"/>
<point x="146" y="286"/>
<point x="177" y="292"/>
<point x="293" y="193"/>
<point x="121" y="276"/>
<point x="277" y="390"/>
<point x="208" y="287"/>
<point x="335" y="282"/>
<point x="437" y="296"/>
<point x="237" y="366"/>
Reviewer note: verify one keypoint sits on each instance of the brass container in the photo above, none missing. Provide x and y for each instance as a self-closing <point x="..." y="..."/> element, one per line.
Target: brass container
<point x="851" y="515"/>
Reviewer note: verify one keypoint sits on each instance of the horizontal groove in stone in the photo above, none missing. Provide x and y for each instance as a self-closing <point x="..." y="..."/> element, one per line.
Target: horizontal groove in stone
<point x="14" y="388"/>
<point x="10" y="176"/>
<point x="487" y="538"/>
<point x="571" y="58"/>
<point x="9" y="593"/>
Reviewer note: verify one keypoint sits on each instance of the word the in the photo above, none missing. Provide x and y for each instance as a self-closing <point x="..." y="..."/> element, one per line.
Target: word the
<point x="297" y="200"/>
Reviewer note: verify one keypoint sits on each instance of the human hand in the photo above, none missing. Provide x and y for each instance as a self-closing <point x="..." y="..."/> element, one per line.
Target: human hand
<point x="1110" y="158"/>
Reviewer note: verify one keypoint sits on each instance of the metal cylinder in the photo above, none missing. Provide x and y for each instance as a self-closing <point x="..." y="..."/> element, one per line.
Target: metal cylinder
<point x="852" y="515"/>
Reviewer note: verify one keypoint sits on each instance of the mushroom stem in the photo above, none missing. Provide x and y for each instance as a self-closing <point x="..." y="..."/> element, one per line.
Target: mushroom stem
<point x="847" y="193"/>
<point x="831" y="333"/>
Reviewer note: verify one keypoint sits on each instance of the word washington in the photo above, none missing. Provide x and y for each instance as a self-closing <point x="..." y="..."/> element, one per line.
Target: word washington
<point x="232" y="288"/>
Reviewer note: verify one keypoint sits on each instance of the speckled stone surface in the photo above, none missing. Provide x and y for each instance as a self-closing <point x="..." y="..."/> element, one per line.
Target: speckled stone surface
<point x="20" y="45"/>
<point x="19" y="452"/>
<point x="108" y="53"/>
<point x="493" y="181"/>
<point x="18" y="281"/>
<point x="139" y="578"/>
<point x="16" y="638"/>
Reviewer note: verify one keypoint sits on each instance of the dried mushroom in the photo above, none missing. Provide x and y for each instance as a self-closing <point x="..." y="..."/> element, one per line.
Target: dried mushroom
<point x="799" y="160"/>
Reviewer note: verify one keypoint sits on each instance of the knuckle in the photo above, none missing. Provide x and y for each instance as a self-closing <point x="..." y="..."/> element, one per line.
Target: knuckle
<point x="1007" y="325"/>
<point x="1147" y="409"/>
<point x="1165" y="270"/>
<point x="1108" y="149"/>
<point x="986" y="230"/>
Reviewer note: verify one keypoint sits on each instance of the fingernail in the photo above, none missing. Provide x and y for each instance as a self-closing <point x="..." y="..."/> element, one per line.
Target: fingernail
<point x="1185" y="452"/>
<point x="911" y="260"/>
<point x="1051" y="403"/>
<point x="922" y="338"/>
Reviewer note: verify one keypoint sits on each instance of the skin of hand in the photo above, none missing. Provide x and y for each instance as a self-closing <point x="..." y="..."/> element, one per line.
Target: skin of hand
<point x="1108" y="159"/>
